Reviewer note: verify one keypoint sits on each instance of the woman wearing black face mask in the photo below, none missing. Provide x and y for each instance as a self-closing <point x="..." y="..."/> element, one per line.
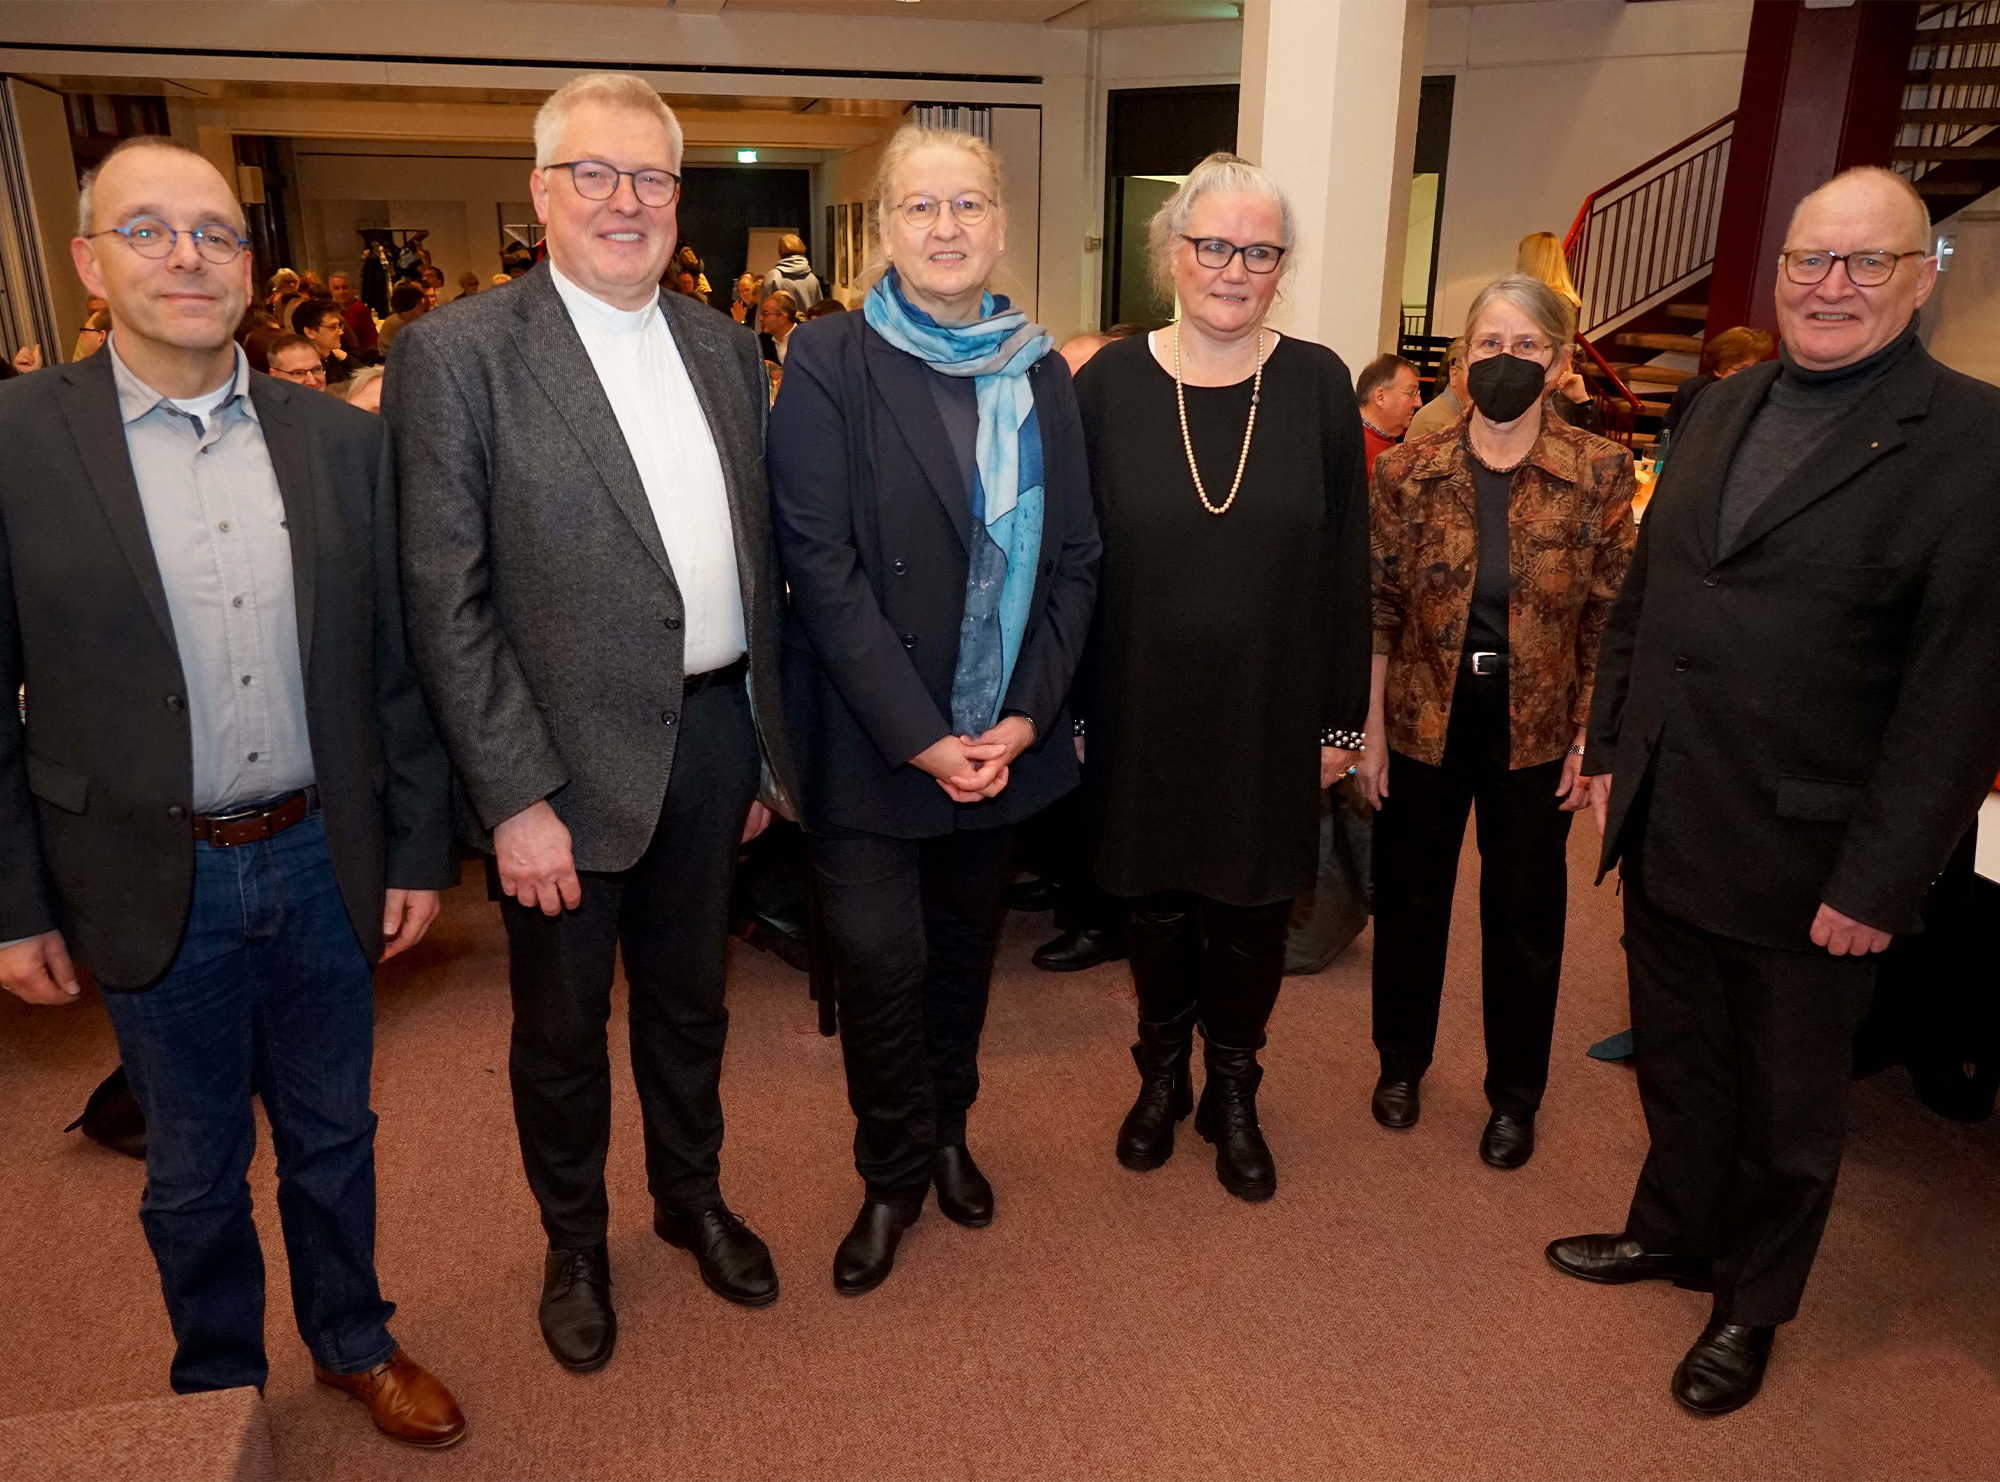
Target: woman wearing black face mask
<point x="1499" y="544"/>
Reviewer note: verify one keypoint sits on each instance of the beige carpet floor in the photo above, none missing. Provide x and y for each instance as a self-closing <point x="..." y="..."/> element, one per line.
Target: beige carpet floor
<point x="1388" y="1315"/>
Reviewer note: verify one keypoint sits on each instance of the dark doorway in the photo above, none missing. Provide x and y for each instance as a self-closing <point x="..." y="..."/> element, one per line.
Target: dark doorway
<point x="1427" y="186"/>
<point x="721" y="203"/>
<point x="1154" y="136"/>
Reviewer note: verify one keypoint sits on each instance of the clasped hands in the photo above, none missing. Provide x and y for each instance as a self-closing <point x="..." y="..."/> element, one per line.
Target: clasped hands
<point x="972" y="769"/>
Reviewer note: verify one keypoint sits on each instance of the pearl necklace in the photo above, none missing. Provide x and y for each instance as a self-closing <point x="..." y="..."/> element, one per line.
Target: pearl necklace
<point x="1187" y="442"/>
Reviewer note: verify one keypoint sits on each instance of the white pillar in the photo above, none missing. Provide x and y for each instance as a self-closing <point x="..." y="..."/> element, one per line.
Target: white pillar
<point x="1329" y="108"/>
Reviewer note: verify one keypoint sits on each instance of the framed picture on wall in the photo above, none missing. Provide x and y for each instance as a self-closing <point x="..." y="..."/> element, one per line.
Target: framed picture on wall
<point x="840" y="243"/>
<point x="826" y="244"/>
<point x="858" y="248"/>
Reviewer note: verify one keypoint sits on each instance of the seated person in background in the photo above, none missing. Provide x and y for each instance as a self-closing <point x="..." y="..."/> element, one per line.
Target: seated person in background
<point x="744" y="309"/>
<point x="684" y="283"/>
<point x="777" y="317"/>
<point x="1387" y="391"/>
<point x="359" y="318"/>
<point x="320" y="321"/>
<point x="1722" y="357"/>
<point x="255" y="332"/>
<point x="468" y="284"/>
<point x="825" y="307"/>
<point x="408" y="303"/>
<point x="296" y="359"/>
<point x="1449" y="404"/>
<point x="363" y="390"/>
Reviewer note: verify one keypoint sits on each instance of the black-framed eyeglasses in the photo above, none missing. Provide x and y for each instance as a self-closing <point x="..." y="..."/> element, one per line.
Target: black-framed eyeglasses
<point x="968" y="208"/>
<point x="1869" y="267"/>
<point x="303" y="376"/>
<point x="153" y="238"/>
<point x="1214" y="252"/>
<point x="596" y="181"/>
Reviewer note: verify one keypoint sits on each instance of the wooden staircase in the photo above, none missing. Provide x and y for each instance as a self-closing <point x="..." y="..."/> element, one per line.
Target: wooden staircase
<point x="1948" y="145"/>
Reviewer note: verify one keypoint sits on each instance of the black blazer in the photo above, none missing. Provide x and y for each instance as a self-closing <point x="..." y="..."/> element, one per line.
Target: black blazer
<point x="874" y="521"/>
<point x="87" y="841"/>
<point x="1816" y="710"/>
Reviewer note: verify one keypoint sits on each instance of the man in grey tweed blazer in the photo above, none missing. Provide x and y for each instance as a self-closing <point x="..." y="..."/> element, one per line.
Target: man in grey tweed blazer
<point x="594" y="608"/>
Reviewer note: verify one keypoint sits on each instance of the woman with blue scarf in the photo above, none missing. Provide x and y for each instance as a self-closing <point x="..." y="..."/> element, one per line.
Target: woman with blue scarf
<point x="932" y="510"/>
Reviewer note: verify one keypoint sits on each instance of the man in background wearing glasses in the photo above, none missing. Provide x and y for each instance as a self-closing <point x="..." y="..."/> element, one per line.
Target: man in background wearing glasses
<point x="594" y="608"/>
<point x="227" y="802"/>
<point x="1797" y="716"/>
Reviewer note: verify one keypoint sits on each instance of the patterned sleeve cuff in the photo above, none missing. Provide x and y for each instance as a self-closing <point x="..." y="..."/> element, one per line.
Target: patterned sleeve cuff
<point x="1343" y="740"/>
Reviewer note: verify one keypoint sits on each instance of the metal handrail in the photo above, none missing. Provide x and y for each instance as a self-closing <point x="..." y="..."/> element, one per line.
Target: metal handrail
<point x="1583" y="211"/>
<point x="1598" y="360"/>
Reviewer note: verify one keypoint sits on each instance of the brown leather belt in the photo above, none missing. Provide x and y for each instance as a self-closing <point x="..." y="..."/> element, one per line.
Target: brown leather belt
<point x="252" y="825"/>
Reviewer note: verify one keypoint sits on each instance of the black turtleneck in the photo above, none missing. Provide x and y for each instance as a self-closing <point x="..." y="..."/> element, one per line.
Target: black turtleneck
<point x="1800" y="409"/>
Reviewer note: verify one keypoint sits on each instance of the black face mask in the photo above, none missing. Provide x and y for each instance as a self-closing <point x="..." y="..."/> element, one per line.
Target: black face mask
<point x="1504" y="386"/>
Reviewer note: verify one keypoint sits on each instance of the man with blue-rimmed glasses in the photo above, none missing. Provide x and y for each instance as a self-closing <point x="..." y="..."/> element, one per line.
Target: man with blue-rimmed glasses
<point x="227" y="802"/>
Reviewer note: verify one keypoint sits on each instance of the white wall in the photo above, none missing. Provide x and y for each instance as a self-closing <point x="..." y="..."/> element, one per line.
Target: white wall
<point x="1962" y="320"/>
<point x="1555" y="99"/>
<point x="456" y="198"/>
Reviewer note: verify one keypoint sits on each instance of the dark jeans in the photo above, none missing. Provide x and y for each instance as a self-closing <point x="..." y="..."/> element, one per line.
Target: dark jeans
<point x="670" y="914"/>
<point x="1225" y="962"/>
<point x="1523" y="899"/>
<point x="269" y="995"/>
<point x="911" y="924"/>
<point x="1744" y="1058"/>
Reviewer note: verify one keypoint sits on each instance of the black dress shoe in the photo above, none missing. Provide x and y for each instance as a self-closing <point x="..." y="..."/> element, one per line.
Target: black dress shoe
<point x="1396" y="1104"/>
<point x="112" y="1117"/>
<point x="1074" y="951"/>
<point x="1227" y="1117"/>
<point x="577" y="1321"/>
<point x="868" y="1254"/>
<point x="1725" y="1368"/>
<point x="733" y="1261"/>
<point x="963" y="1193"/>
<point x="1508" y="1142"/>
<point x="1614" y="1260"/>
<point x="1038" y="894"/>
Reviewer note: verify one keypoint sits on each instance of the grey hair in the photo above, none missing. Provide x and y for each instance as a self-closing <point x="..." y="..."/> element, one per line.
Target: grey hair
<point x="1552" y="314"/>
<point x="1219" y="172"/>
<point x="86" y="188"/>
<point x="612" y="90"/>
<point x="904" y="145"/>
<point x="365" y="376"/>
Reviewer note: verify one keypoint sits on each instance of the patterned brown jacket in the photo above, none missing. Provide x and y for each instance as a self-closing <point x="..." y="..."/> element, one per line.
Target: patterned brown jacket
<point x="1570" y="538"/>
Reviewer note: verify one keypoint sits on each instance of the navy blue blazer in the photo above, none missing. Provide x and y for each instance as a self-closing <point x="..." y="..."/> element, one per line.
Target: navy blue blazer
<point x="873" y="522"/>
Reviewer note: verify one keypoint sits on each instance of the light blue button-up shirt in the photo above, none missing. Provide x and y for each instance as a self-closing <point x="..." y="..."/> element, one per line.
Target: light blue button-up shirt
<point x="217" y="523"/>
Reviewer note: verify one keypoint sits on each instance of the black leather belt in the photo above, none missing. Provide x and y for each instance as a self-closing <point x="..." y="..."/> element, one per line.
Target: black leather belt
<point x="253" y="825"/>
<point x="734" y="673"/>
<point x="1483" y="664"/>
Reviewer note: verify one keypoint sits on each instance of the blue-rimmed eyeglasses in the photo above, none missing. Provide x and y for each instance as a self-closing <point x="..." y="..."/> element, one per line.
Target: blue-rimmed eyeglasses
<point x="152" y="238"/>
<point x="596" y="181"/>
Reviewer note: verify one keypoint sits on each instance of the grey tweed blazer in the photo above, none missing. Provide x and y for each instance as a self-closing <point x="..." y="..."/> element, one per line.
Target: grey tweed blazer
<point x="543" y="612"/>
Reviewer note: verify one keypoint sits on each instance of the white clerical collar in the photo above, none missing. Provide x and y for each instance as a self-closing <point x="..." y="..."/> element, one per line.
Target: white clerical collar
<point x="587" y="309"/>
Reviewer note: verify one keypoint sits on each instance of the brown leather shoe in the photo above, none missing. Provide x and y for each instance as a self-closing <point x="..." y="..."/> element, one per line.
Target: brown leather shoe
<point x="405" y="1400"/>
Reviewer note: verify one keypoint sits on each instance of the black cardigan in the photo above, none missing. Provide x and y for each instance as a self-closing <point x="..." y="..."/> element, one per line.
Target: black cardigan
<point x="872" y="520"/>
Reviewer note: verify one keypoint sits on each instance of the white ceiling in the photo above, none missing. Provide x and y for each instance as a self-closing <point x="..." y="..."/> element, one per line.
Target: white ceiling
<point x="1065" y="14"/>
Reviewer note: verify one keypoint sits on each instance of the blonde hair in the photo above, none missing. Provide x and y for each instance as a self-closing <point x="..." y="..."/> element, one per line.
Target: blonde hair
<point x="1540" y="255"/>
<point x="903" y="146"/>
<point x="610" y="90"/>
<point x="1219" y="172"/>
<point x="1553" y="315"/>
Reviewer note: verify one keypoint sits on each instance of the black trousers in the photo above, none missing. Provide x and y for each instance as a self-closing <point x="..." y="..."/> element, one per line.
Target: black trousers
<point x="670" y="914"/>
<point x="1744" y="1062"/>
<point x="1056" y="844"/>
<point x="1225" y="962"/>
<point x="1523" y="899"/>
<point x="911" y="924"/>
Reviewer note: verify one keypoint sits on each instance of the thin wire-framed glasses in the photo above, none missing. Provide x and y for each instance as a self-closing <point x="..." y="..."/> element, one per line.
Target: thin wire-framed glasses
<point x="150" y="237"/>
<point x="1214" y="252"/>
<point x="1527" y="347"/>
<point x="1867" y="268"/>
<point x="968" y="208"/>
<point x="596" y="181"/>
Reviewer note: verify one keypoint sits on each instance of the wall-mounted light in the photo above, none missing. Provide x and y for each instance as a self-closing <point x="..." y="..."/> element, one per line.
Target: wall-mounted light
<point x="746" y="156"/>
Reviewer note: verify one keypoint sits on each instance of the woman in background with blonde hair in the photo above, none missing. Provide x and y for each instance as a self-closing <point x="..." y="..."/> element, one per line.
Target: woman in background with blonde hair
<point x="1227" y="678"/>
<point x="932" y="512"/>
<point x="1541" y="257"/>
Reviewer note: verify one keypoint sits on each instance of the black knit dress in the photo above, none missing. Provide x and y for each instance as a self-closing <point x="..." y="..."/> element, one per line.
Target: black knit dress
<point x="1225" y="647"/>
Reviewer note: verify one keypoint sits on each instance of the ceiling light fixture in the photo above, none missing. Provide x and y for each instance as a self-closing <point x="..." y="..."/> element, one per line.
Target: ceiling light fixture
<point x="746" y="156"/>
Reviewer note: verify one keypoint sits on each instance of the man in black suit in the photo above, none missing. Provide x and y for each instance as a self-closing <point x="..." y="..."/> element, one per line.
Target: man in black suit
<point x="227" y="801"/>
<point x="594" y="609"/>
<point x="1796" y="720"/>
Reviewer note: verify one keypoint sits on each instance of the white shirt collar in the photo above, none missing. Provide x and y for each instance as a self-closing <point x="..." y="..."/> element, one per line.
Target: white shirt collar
<point x="588" y="311"/>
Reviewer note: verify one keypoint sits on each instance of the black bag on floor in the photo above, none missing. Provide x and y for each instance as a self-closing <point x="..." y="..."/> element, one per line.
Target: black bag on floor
<point x="1325" y="921"/>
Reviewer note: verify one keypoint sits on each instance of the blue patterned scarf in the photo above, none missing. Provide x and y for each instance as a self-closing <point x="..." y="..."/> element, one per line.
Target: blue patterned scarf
<point x="996" y="350"/>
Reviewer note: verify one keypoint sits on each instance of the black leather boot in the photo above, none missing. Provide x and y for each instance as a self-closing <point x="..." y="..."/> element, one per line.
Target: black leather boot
<point x="1227" y="1117"/>
<point x="868" y="1254"/>
<point x="963" y="1194"/>
<point x="577" y="1321"/>
<point x="1166" y="1092"/>
<point x="1725" y="1368"/>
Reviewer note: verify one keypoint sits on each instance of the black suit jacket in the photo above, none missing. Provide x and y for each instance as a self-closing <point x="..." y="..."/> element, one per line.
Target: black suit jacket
<point x="1814" y="712"/>
<point x="874" y="523"/>
<point x="88" y="843"/>
<point x="544" y="614"/>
